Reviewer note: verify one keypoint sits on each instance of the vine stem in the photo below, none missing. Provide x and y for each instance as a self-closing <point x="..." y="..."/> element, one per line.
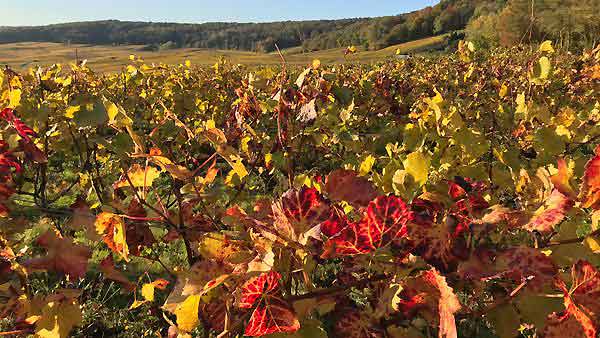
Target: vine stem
<point x="16" y="332"/>
<point x="143" y="201"/>
<point x="572" y="240"/>
<point x="339" y="289"/>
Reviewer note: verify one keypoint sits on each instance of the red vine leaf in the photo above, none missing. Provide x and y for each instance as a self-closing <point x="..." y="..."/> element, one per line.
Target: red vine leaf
<point x="300" y="213"/>
<point x="469" y="203"/>
<point x="550" y="214"/>
<point x="7" y="159"/>
<point x="384" y="221"/>
<point x="214" y="315"/>
<point x="271" y="313"/>
<point x="352" y="323"/>
<point x="432" y="234"/>
<point x="257" y="287"/>
<point x="138" y="233"/>
<point x="23" y="130"/>
<point x="272" y="316"/>
<point x="513" y="219"/>
<point x="518" y="264"/>
<point x="344" y="239"/>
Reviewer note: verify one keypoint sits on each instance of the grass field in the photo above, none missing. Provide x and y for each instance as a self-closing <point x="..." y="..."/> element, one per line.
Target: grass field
<point x="23" y="55"/>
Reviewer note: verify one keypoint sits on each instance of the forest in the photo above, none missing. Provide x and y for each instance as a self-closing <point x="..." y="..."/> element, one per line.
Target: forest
<point x="573" y="24"/>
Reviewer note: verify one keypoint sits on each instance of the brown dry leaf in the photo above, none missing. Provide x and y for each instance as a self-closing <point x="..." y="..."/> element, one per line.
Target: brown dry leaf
<point x="107" y="267"/>
<point x="346" y="185"/>
<point x="62" y="256"/>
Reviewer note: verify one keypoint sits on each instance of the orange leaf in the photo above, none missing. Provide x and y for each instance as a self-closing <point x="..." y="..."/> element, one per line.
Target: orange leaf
<point x="561" y="180"/>
<point x="581" y="303"/>
<point x="430" y="295"/>
<point x="590" y="188"/>
<point x="112" y="229"/>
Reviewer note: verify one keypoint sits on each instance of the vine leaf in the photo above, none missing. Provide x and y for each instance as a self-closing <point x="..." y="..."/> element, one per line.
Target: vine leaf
<point x="58" y="316"/>
<point x="430" y="295"/>
<point x="112" y="229"/>
<point x="353" y="323"/>
<point x="271" y="313"/>
<point x="22" y="129"/>
<point x="140" y="177"/>
<point x="299" y="213"/>
<point x="107" y="266"/>
<point x="550" y="214"/>
<point x="590" y="188"/>
<point x="581" y="303"/>
<point x="62" y="255"/>
<point x="518" y="264"/>
<point x="384" y="221"/>
<point x="346" y="185"/>
<point x="187" y="313"/>
<point x="561" y="179"/>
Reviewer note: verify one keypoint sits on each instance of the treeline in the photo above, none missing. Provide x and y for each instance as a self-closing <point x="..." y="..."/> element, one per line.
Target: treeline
<point x="377" y="33"/>
<point x="241" y="36"/>
<point x="371" y="33"/>
<point x="571" y="23"/>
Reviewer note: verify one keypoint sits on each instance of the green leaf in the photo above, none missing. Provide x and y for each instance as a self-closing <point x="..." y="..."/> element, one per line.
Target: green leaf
<point x="310" y="328"/>
<point x="547" y="143"/>
<point x="535" y="309"/>
<point x="505" y="320"/>
<point x="91" y="115"/>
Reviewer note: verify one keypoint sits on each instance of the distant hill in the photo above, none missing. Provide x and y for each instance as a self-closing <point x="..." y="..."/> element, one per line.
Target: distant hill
<point x="368" y="33"/>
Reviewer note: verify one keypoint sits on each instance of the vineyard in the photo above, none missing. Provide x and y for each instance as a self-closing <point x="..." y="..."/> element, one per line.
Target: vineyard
<point x="449" y="196"/>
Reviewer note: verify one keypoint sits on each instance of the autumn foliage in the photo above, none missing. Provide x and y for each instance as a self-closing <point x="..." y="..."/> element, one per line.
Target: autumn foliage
<point x="455" y="196"/>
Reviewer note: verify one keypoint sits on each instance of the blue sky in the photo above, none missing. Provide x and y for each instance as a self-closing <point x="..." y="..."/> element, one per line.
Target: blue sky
<point x="40" y="12"/>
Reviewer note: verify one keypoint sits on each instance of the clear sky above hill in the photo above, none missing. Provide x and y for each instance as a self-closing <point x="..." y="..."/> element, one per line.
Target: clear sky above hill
<point x="41" y="12"/>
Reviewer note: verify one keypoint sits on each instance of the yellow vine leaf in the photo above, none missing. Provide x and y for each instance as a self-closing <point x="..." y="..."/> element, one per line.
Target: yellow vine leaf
<point x="140" y="177"/>
<point x="58" y="318"/>
<point x="14" y="98"/>
<point x="148" y="292"/>
<point x="417" y="165"/>
<point x="187" y="313"/>
<point x="546" y="47"/>
<point x="366" y="165"/>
